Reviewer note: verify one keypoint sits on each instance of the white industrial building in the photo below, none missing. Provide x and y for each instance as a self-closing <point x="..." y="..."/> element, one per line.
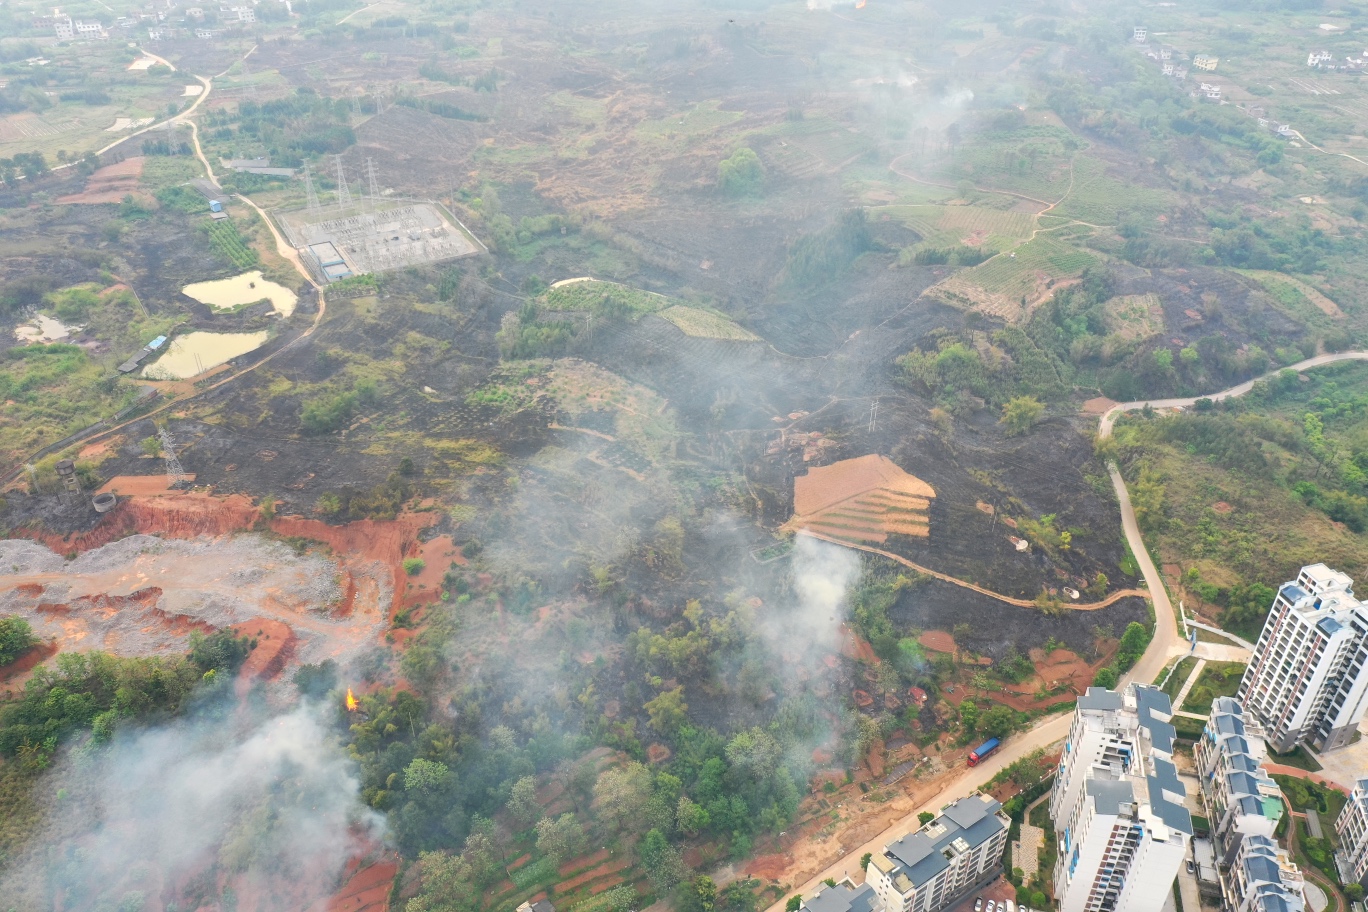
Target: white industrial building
<point x="1352" y="827"/>
<point x="1244" y="806"/>
<point x="949" y="857"/>
<point x="1117" y="804"/>
<point x="1307" y="681"/>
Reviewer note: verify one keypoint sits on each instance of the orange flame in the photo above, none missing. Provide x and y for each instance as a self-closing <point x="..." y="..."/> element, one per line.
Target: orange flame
<point x="860" y="4"/>
<point x="351" y="701"/>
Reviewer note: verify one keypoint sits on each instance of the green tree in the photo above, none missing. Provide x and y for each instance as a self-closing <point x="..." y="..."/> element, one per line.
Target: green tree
<point x="741" y="174"/>
<point x="1020" y="414"/>
<point x="925" y="817"/>
<point x="969" y="716"/>
<point x="660" y="860"/>
<point x="795" y="902"/>
<point x="428" y="776"/>
<point x="691" y="818"/>
<point x="865" y="859"/>
<point x="622" y="792"/>
<point x="668" y="711"/>
<point x="998" y="721"/>
<point x="15" y="638"/>
<point x="561" y="838"/>
<point x="522" y="801"/>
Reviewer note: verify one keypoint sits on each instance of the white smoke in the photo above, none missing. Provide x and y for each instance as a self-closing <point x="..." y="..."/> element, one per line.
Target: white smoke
<point x="823" y="575"/>
<point x="830" y="4"/>
<point x="187" y="812"/>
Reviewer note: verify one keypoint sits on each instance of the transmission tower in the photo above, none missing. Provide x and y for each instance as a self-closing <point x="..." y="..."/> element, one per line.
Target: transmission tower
<point x="175" y="473"/>
<point x="309" y="189"/>
<point x="873" y="415"/>
<point x="370" y="177"/>
<point x="343" y="194"/>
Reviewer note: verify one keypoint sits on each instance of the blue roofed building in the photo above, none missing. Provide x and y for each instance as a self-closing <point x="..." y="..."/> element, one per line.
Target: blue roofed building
<point x="1307" y="681"/>
<point x="1117" y="804"/>
<point x="943" y="861"/>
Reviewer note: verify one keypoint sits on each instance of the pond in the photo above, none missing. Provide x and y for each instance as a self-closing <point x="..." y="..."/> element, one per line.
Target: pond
<point x="194" y="353"/>
<point x="43" y="328"/>
<point x="248" y="288"/>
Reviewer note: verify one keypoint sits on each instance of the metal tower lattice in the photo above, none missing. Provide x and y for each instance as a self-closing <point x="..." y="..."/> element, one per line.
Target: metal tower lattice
<point x="370" y="177"/>
<point x="309" y="189"/>
<point x="175" y="473"/>
<point x="343" y="194"/>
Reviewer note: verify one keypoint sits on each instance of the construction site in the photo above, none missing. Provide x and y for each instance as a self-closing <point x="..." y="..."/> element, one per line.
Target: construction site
<point x="368" y="233"/>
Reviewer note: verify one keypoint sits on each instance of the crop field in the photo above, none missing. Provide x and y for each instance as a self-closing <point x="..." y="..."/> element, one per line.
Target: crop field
<point x="944" y="226"/>
<point x="595" y="296"/>
<point x="804" y="148"/>
<point x="1010" y="286"/>
<point x="1033" y="161"/>
<point x="703" y="119"/>
<point x="706" y="324"/>
<point x="1135" y="317"/>
<point x="1099" y="199"/>
<point x="1293" y="295"/>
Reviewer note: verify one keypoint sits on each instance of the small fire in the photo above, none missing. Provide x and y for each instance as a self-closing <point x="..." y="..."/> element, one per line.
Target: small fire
<point x="351" y="701"/>
<point x="860" y="4"/>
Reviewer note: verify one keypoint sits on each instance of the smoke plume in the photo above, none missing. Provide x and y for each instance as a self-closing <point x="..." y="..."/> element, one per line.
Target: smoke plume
<point x="198" y="813"/>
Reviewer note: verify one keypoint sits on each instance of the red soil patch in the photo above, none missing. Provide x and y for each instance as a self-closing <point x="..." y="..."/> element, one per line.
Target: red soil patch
<point x="173" y="515"/>
<point x="578" y="864"/>
<point x="28" y="660"/>
<point x="606" y="884"/>
<point x="386" y="540"/>
<point x="657" y="753"/>
<point x="365" y="891"/>
<point x="602" y="870"/>
<point x="1098" y="406"/>
<point x="854" y="646"/>
<point x="437" y="556"/>
<point x="938" y="641"/>
<point x="519" y="863"/>
<point x="275" y="647"/>
<point x="768" y="867"/>
<point x="111" y="184"/>
<point x="139" y="485"/>
<point x="1222" y="507"/>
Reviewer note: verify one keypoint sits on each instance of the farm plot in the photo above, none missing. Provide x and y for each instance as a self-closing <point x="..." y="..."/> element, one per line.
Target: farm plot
<point x="1135" y="317"/>
<point x="1292" y="295"/>
<point x="862" y="500"/>
<point x="702" y="120"/>
<point x="706" y="324"/>
<point x="1033" y="162"/>
<point x="945" y="226"/>
<point x="1009" y="286"/>
<point x="805" y="148"/>
<point x="1097" y="199"/>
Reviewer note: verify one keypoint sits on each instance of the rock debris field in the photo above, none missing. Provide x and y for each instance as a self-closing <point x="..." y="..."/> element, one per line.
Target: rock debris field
<point x="144" y="595"/>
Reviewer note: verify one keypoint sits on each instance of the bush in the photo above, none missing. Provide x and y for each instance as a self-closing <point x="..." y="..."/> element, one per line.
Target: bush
<point x="414" y="565"/>
<point x="741" y="174"/>
<point x="15" y="638"/>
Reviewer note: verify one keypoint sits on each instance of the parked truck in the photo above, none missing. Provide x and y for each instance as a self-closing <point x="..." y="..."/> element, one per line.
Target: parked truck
<point x="983" y="750"/>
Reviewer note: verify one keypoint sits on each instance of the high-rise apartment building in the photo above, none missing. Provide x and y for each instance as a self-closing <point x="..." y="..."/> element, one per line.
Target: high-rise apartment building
<point x="958" y="851"/>
<point x="1244" y="805"/>
<point x="1117" y="804"/>
<point x="1308" y="679"/>
<point x="1352" y="827"/>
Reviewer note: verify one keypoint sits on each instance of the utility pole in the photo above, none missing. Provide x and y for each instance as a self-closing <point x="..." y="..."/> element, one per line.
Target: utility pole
<point x="309" y="189"/>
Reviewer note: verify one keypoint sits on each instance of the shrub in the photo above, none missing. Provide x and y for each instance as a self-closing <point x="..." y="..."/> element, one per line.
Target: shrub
<point x="15" y="638"/>
<point x="414" y="565"/>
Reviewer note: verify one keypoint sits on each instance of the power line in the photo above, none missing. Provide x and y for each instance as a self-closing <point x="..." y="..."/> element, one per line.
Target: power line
<point x="343" y="194"/>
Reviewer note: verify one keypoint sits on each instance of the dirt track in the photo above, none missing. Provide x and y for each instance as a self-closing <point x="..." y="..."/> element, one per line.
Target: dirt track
<point x="1020" y="603"/>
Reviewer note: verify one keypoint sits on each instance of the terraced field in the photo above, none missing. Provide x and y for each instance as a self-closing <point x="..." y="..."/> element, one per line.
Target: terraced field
<point x="706" y="324"/>
<point x="1010" y="285"/>
<point x="944" y="226"/>
<point x="862" y="500"/>
<point x="1292" y="295"/>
